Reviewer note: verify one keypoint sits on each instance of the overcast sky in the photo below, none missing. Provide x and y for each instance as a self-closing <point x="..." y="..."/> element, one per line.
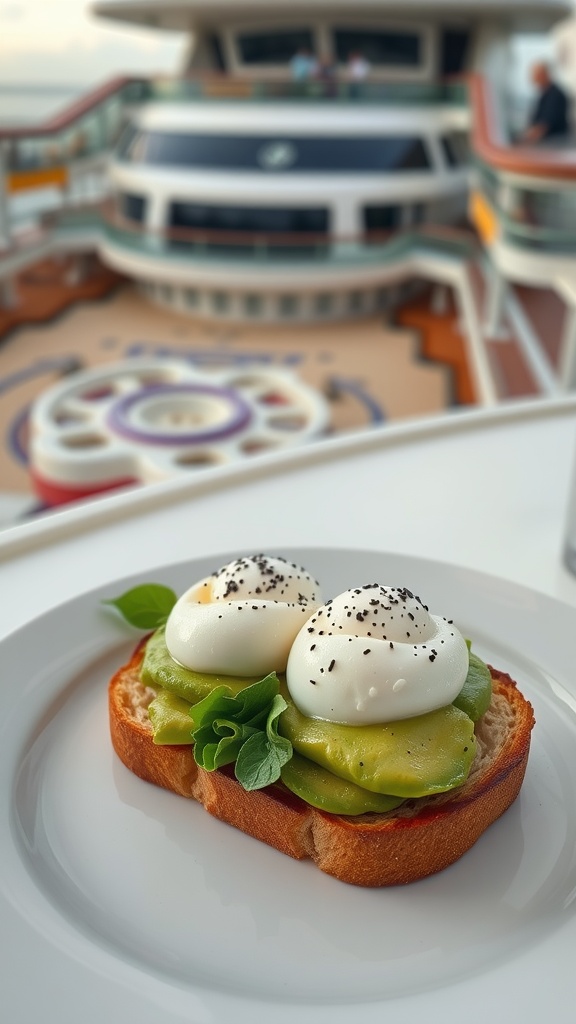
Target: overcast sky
<point x="60" y="41"/>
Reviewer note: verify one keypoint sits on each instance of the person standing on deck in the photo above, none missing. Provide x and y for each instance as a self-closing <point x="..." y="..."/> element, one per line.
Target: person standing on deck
<point x="303" y="65"/>
<point x="549" y="118"/>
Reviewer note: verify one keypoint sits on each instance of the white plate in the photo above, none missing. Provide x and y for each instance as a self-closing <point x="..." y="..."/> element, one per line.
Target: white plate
<point x="119" y="901"/>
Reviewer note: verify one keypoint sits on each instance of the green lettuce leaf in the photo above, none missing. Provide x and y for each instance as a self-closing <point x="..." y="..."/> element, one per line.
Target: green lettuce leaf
<point x="242" y="728"/>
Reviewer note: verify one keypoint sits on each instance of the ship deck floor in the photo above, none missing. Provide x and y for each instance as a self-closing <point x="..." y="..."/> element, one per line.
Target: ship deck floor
<point x="371" y="370"/>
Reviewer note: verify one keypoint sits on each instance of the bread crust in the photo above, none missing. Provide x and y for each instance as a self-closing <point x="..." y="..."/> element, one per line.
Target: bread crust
<point x="418" y="839"/>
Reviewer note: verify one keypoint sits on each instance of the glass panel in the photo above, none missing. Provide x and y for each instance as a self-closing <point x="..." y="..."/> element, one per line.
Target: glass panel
<point x="273" y="47"/>
<point x="556" y="210"/>
<point x="455" y="43"/>
<point x="448" y="150"/>
<point x="323" y="303"/>
<point x="382" y="218"/>
<point x="253" y="305"/>
<point x="388" y="47"/>
<point x="419" y="213"/>
<point x="133" y="207"/>
<point x="127" y="145"/>
<point x="253" y="219"/>
<point x="456" y="149"/>
<point x="274" y="155"/>
<point x="288" y="305"/>
<point x="217" y="51"/>
<point x="112" y="120"/>
<point x="220" y="301"/>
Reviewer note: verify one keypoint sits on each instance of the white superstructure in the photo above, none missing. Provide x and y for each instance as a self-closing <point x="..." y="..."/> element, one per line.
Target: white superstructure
<point x="248" y="188"/>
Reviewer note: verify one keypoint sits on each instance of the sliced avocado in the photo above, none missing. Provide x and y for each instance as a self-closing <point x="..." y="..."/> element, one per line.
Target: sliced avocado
<point x="417" y="756"/>
<point x="475" y="696"/>
<point x="170" y="718"/>
<point x="159" y="670"/>
<point x="324" y="790"/>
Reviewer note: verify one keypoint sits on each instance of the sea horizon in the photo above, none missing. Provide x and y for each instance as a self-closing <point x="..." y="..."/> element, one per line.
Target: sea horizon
<point x="23" y="103"/>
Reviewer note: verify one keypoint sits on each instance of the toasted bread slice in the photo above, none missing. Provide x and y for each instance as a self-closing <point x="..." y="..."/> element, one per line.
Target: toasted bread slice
<point x="419" y="838"/>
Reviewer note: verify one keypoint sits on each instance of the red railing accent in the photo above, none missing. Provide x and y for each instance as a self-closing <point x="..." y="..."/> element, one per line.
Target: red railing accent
<point x="72" y="112"/>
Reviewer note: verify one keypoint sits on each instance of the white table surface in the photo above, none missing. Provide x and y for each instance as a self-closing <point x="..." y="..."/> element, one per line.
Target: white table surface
<point x="485" y="489"/>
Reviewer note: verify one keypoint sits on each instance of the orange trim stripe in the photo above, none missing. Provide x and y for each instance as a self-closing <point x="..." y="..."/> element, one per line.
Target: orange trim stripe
<point x="483" y="217"/>
<point x="40" y="177"/>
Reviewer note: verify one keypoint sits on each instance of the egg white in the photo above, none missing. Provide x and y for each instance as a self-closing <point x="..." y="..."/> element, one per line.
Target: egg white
<point x="335" y="674"/>
<point x="222" y="625"/>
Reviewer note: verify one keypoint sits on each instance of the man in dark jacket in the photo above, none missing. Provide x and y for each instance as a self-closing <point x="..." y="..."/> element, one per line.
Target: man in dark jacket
<point x="549" y="118"/>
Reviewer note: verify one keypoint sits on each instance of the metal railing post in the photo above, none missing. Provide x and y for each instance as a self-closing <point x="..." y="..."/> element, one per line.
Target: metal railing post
<point x="5" y="232"/>
<point x="568" y="351"/>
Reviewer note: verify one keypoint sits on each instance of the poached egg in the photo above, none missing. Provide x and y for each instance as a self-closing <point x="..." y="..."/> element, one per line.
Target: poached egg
<point x="375" y="654"/>
<point x="242" y="620"/>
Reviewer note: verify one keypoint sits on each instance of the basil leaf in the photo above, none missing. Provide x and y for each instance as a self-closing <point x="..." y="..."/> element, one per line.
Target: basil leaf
<point x="147" y="606"/>
<point x="254" y="702"/>
<point x="218" y="704"/>
<point x="263" y="755"/>
<point x="219" y="744"/>
<point x="242" y="728"/>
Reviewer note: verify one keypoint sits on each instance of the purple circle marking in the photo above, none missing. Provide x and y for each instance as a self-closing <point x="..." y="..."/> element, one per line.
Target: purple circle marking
<point x="240" y="415"/>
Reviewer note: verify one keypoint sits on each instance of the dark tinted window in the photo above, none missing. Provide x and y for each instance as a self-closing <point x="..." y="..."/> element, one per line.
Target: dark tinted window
<point x="389" y="47"/>
<point x="381" y="218"/>
<point x="268" y="220"/>
<point x="448" y="150"/>
<point x="133" y="207"/>
<point x="273" y="47"/>
<point x="455" y="42"/>
<point x="456" y="149"/>
<point x="282" y="154"/>
<point x="217" y="52"/>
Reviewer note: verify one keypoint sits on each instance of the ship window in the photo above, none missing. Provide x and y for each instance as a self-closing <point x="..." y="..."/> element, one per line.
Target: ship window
<point x="132" y="207"/>
<point x="191" y="297"/>
<point x="449" y="152"/>
<point x="273" y="47"/>
<point x="323" y="303"/>
<point x="382" y="218"/>
<point x="217" y="52"/>
<point x="355" y="301"/>
<point x="455" y="45"/>
<point x="384" y="47"/>
<point x="456" y="149"/>
<point x="253" y="305"/>
<point x="252" y="219"/>
<point x="133" y="146"/>
<point x="220" y="302"/>
<point x="288" y="305"/>
<point x="127" y="137"/>
<point x="282" y="154"/>
<point x="419" y="213"/>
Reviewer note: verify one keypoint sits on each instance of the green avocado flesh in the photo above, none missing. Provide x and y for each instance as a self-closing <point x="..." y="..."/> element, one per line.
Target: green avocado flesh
<point x="170" y="717"/>
<point x="475" y="696"/>
<point x="324" y="790"/>
<point x="414" y="757"/>
<point x="342" y="769"/>
<point x="160" y="670"/>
